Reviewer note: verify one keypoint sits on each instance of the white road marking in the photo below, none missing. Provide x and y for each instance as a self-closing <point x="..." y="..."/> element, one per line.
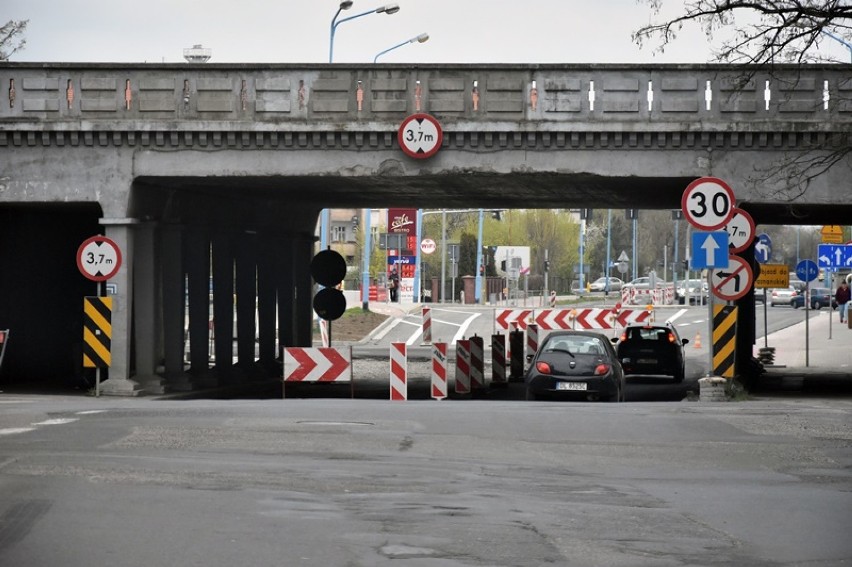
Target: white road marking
<point x="676" y="316"/>
<point x="13" y="430"/>
<point x="58" y="421"/>
<point x="90" y="412"/>
<point x="463" y="327"/>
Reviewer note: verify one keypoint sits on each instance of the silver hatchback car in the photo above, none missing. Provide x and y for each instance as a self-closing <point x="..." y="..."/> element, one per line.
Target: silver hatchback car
<point x="782" y="296"/>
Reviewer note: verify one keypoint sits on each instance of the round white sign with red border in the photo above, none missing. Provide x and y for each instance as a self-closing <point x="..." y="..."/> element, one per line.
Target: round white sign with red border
<point x="420" y="136"/>
<point x="732" y="282"/>
<point x="740" y="231"/>
<point x="98" y="258"/>
<point x="708" y="203"/>
<point x="428" y="246"/>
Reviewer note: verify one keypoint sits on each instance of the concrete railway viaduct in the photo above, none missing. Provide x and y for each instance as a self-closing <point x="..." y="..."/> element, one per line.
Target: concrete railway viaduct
<point x="222" y="169"/>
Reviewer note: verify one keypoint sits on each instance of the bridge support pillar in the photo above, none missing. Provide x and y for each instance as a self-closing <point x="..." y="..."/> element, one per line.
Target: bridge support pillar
<point x="223" y="305"/>
<point x="303" y="287"/>
<point x="284" y="287"/>
<point x="119" y="382"/>
<point x="197" y="262"/>
<point x="266" y="301"/>
<point x="173" y="305"/>
<point x="246" y="296"/>
<point x="145" y="308"/>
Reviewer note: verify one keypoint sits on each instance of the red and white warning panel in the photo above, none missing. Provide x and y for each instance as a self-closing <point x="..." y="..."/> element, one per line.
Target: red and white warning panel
<point x="503" y="318"/>
<point x="324" y="364"/>
<point x="398" y="372"/>
<point x="439" y="371"/>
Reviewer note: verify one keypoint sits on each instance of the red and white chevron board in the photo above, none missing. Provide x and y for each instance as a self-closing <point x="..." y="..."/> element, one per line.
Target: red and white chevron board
<point x="498" y="358"/>
<point x="477" y="362"/>
<point x="594" y="318"/>
<point x="503" y="318"/>
<point x="427" y="325"/>
<point x="398" y="372"/>
<point x="463" y="366"/>
<point x="439" y="371"/>
<point x="554" y="319"/>
<point x="628" y="316"/>
<point x="324" y="364"/>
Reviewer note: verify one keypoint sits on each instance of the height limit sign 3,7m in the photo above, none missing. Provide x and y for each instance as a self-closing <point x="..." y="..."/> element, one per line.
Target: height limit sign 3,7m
<point x="708" y="203"/>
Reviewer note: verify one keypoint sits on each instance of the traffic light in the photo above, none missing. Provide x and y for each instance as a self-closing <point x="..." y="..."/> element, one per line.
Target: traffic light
<point x="547" y="265"/>
<point x="495" y="214"/>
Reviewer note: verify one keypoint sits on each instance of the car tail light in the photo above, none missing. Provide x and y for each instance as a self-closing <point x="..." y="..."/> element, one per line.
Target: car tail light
<point x="543" y="367"/>
<point x="601" y="369"/>
<point x="671" y="337"/>
<point x="623" y="337"/>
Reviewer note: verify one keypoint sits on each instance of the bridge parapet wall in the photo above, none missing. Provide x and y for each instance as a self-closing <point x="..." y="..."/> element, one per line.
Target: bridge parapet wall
<point x="323" y="98"/>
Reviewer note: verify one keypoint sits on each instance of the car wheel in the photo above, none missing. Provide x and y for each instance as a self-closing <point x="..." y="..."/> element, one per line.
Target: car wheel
<point x="794" y="305"/>
<point x="678" y="378"/>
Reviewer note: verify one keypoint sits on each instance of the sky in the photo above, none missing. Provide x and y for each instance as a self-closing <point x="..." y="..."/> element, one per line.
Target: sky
<point x="297" y="31"/>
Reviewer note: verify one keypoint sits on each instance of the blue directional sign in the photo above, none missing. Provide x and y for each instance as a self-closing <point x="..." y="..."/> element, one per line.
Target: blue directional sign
<point x="834" y="255"/>
<point x="709" y="250"/>
<point x="763" y="248"/>
<point x="807" y="270"/>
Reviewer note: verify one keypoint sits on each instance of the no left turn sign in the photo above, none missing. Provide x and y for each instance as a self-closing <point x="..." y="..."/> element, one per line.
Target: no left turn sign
<point x="420" y="136"/>
<point x="732" y="282"/>
<point x="98" y="258"/>
<point x="708" y="203"/>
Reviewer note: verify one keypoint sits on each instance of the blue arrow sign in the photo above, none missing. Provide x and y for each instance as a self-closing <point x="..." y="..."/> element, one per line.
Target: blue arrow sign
<point x="763" y="248"/>
<point x="834" y="255"/>
<point x="807" y="270"/>
<point x="709" y="250"/>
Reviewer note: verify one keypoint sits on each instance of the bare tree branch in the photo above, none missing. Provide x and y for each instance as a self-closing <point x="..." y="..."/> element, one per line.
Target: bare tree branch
<point x="8" y="33"/>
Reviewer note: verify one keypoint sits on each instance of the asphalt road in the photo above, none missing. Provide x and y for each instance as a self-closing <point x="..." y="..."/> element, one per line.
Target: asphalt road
<point x="140" y="482"/>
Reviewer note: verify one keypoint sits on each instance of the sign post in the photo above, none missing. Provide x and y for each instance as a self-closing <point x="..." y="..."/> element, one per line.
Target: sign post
<point x="807" y="271"/>
<point x="708" y="205"/>
<point x="98" y="259"/>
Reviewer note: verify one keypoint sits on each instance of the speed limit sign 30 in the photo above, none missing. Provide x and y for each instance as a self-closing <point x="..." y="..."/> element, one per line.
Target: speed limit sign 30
<point x="708" y="203"/>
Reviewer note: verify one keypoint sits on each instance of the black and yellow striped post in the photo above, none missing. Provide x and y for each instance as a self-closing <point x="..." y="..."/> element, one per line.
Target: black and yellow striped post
<point x="724" y="340"/>
<point x="97" y="335"/>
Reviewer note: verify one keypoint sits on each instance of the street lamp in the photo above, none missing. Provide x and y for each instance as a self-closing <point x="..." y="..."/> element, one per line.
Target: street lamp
<point x="422" y="38"/>
<point x="345" y="5"/>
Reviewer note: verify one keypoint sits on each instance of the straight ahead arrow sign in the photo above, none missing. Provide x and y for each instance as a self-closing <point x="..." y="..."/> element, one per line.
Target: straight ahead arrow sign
<point x="710" y="248"/>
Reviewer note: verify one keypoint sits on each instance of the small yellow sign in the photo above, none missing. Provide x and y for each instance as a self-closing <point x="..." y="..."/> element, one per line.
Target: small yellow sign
<point x="832" y="234"/>
<point x="773" y="275"/>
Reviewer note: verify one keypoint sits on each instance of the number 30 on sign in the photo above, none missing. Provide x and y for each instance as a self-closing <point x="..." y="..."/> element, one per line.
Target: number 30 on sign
<point x="708" y="203"/>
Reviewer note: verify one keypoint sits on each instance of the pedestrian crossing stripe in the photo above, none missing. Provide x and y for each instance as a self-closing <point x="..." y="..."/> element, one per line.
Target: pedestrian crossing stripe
<point x="97" y="332"/>
<point x="724" y="340"/>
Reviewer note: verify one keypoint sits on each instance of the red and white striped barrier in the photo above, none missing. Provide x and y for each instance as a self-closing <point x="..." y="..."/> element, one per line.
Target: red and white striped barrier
<point x="398" y="372"/>
<point x="477" y="363"/>
<point x="439" y="371"/>
<point x="532" y="339"/>
<point x="427" y="324"/>
<point x="630" y="316"/>
<point x="463" y="367"/>
<point x="504" y="318"/>
<point x="498" y="359"/>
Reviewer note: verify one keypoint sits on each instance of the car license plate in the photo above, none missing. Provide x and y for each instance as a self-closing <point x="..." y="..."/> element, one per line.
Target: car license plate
<point x="570" y="385"/>
<point x="646" y="361"/>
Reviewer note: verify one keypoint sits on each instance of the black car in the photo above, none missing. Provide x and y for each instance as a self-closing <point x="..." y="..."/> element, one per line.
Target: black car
<point x="575" y="365"/>
<point x="820" y="297"/>
<point x="652" y="350"/>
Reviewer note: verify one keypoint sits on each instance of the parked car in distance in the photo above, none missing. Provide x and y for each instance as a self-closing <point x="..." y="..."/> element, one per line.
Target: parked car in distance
<point x="599" y="284"/>
<point x="819" y="297"/>
<point x="575" y="365"/>
<point x="696" y="290"/>
<point x="782" y="296"/>
<point x="652" y="350"/>
<point x="639" y="283"/>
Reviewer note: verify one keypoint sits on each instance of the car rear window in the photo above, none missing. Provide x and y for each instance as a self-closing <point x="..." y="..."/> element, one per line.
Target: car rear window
<point x="647" y="334"/>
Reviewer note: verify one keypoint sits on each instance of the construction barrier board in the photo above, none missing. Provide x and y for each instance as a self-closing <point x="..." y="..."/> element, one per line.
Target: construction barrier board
<point x="724" y="340"/>
<point x="97" y="332"/>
